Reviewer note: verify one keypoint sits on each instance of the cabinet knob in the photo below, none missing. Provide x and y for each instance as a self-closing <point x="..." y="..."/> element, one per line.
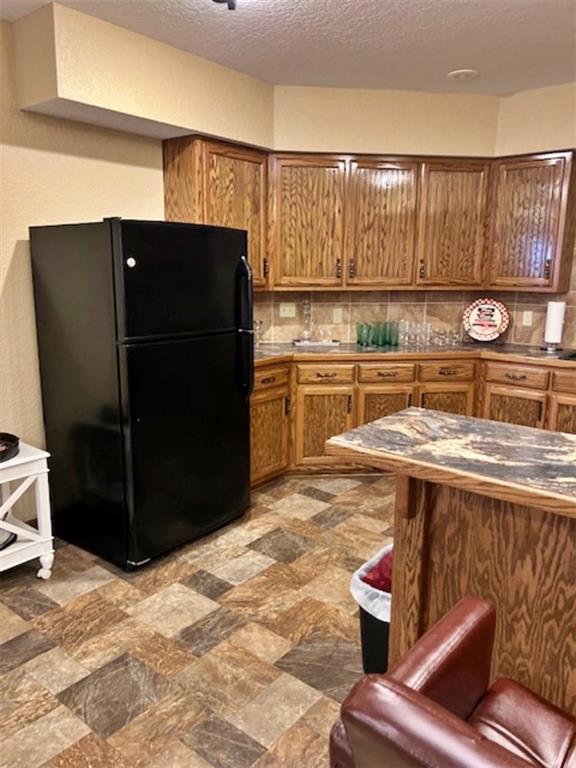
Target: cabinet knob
<point x="269" y="380"/>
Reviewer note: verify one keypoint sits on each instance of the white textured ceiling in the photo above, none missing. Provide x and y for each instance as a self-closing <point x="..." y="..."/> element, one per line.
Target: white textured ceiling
<point x="400" y="44"/>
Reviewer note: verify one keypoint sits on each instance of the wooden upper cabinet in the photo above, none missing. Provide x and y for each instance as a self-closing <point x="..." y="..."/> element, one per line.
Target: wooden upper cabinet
<point x="530" y="203"/>
<point x="381" y="231"/>
<point x="307" y="219"/>
<point x="209" y="182"/>
<point x="452" y="223"/>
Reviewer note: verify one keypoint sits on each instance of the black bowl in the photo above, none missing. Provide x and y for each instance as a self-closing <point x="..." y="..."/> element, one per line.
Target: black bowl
<point x="9" y="446"/>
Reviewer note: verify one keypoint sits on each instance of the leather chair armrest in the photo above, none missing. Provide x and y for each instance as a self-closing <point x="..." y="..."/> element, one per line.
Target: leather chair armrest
<point x="391" y="726"/>
<point x="450" y="664"/>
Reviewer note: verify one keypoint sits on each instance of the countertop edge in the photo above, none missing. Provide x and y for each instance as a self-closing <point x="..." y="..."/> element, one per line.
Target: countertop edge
<point x="503" y="490"/>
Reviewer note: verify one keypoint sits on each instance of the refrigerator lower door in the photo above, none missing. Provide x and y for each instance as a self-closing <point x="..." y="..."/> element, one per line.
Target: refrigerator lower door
<point x="189" y="451"/>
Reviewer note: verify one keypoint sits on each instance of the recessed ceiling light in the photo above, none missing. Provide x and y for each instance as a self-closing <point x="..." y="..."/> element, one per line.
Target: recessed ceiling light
<point x="462" y="75"/>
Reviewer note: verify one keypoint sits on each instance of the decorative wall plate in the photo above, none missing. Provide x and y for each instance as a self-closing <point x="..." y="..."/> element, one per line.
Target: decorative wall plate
<point x="485" y="319"/>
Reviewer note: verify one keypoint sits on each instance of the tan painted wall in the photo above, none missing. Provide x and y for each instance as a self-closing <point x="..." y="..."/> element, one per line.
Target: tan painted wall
<point x="53" y="171"/>
<point x="543" y="118"/>
<point x="407" y="122"/>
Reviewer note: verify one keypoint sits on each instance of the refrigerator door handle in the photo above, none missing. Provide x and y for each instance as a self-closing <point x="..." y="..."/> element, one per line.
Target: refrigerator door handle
<point x="244" y="303"/>
<point x="246" y="338"/>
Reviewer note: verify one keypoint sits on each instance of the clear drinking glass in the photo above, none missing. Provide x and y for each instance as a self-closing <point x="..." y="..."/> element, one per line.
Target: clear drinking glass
<point x="363" y="334"/>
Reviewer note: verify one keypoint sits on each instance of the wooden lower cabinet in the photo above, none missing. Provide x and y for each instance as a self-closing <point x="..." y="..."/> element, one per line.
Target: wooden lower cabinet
<point x="562" y="413"/>
<point x="269" y="434"/>
<point x="377" y="401"/>
<point x="452" y="398"/>
<point x="514" y="406"/>
<point x="322" y="411"/>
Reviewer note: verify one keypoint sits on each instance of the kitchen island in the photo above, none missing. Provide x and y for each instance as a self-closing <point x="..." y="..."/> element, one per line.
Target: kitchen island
<point x="487" y="509"/>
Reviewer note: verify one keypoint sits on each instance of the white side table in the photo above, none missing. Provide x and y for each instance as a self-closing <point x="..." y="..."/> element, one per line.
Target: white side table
<point x="29" y="468"/>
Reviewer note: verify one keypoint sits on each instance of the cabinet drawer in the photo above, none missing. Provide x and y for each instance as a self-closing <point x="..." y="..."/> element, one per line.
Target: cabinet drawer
<point x="447" y="371"/>
<point x="265" y="378"/>
<point x="325" y="374"/>
<point x="564" y="381"/>
<point x="517" y="375"/>
<point x="385" y="373"/>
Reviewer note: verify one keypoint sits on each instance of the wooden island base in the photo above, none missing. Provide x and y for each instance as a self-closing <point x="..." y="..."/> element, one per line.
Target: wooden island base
<point x="484" y="509"/>
<point x="450" y="543"/>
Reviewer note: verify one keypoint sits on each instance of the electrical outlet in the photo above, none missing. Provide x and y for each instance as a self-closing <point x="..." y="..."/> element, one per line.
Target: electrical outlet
<point x="287" y="310"/>
<point x="337" y="315"/>
<point x="527" y="318"/>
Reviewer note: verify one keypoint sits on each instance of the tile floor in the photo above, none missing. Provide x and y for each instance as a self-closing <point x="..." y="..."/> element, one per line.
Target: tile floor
<point x="234" y="651"/>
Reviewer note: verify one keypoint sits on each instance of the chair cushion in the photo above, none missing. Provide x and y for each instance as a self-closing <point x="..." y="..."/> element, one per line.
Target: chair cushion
<point x="340" y="752"/>
<point x="515" y="718"/>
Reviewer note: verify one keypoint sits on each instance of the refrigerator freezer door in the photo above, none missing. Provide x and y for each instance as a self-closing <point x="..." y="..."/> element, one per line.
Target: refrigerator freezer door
<point x="189" y="440"/>
<point x="178" y="279"/>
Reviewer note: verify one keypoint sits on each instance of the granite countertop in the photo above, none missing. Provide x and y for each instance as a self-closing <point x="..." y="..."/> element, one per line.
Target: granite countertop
<point x="502" y="460"/>
<point x="267" y="351"/>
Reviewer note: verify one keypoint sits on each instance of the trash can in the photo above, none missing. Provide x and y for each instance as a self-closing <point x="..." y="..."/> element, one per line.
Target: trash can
<point x="374" y="603"/>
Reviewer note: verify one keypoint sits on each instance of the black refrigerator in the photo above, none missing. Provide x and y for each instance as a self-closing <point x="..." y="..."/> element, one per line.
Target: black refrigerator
<point x="146" y="363"/>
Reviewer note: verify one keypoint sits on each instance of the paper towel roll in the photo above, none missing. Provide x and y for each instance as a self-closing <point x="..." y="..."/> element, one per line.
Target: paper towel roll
<point x="554" y="322"/>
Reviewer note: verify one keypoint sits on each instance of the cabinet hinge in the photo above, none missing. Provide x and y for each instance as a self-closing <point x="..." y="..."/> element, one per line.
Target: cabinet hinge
<point x="349" y="403"/>
<point x="266" y="268"/>
<point x="422" y="271"/>
<point x="287" y="406"/>
<point x="547" y="269"/>
<point x="352" y="268"/>
<point x="338" y="267"/>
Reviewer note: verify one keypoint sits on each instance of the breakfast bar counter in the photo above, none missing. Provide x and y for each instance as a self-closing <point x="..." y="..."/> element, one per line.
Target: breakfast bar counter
<point x="487" y="509"/>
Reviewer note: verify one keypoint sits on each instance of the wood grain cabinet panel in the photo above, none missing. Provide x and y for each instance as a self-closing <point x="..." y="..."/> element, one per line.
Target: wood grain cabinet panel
<point x="564" y="381"/>
<point x="269" y="433"/>
<point x="529" y="209"/>
<point x="452" y="223"/>
<point x="321" y="412"/>
<point x="562" y="413"/>
<point x="307" y="219"/>
<point x="325" y="374"/>
<point x="452" y="398"/>
<point x="447" y="371"/>
<point x="385" y="373"/>
<point x="518" y="375"/>
<point x="514" y="406"/>
<point x="209" y="182"/>
<point x="381" y="232"/>
<point x="375" y="402"/>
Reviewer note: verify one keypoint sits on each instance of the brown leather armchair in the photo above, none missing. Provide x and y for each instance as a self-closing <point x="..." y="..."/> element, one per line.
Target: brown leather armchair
<point x="435" y="708"/>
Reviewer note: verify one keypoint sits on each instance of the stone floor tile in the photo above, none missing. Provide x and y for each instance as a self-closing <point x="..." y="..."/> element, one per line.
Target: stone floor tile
<point x="63" y="589"/>
<point x="42" y="739"/>
<point x="82" y="618"/>
<point x="207" y="584"/>
<point x="333" y="586"/>
<point x="322" y="716"/>
<point x="227" y="678"/>
<point x="210" y="631"/>
<point x="178" y="755"/>
<point x="275" y="710"/>
<point x="328" y="663"/>
<point x="120" y="593"/>
<point x="261" y="642"/>
<point x="167" y="656"/>
<point x="330" y="517"/>
<point x="27" y="602"/>
<point x="335" y="485"/>
<point x="90" y="752"/>
<point x="172" y="609"/>
<point x="299" y="505"/>
<point x="242" y="568"/>
<point x="309" y="615"/>
<point x="55" y="670"/>
<point x="114" y="695"/>
<point x="112" y="642"/>
<point x="22" y="701"/>
<point x="282" y="545"/>
<point x="148" y="735"/>
<point x="11" y="624"/>
<point x="299" y="747"/>
<point x="317" y="493"/>
<point x="22" y="648"/>
<point x="162" y="573"/>
<point x="224" y="745"/>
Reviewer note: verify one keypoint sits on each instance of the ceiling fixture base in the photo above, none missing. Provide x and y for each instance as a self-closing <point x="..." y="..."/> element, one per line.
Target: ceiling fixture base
<point x="462" y="75"/>
<point x="230" y="3"/>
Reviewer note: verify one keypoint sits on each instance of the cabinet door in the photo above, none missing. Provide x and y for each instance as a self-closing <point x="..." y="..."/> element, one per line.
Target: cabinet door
<point x="220" y="184"/>
<point x="562" y="415"/>
<point x="321" y="412"/>
<point x="514" y="406"/>
<point x="528" y="210"/>
<point x="451" y="398"/>
<point x="375" y="402"/>
<point x="381" y="232"/>
<point x="269" y="431"/>
<point x="452" y="221"/>
<point x="307" y="219"/>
